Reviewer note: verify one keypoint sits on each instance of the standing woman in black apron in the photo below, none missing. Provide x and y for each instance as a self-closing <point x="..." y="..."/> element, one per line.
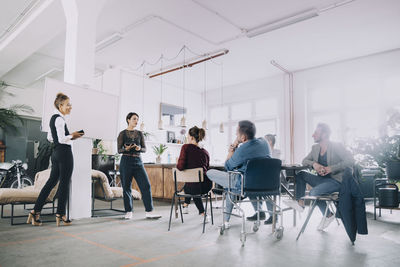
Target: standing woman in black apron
<point x="62" y="162"/>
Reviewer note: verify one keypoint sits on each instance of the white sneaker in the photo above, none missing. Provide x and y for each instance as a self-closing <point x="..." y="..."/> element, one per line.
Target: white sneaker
<point x="152" y="215"/>
<point x="128" y="215"/>
<point x="293" y="204"/>
<point x="185" y="210"/>
<point x="327" y="222"/>
<point x="226" y="225"/>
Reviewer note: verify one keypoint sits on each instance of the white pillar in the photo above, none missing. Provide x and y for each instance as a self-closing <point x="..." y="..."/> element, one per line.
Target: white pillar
<point x="79" y="66"/>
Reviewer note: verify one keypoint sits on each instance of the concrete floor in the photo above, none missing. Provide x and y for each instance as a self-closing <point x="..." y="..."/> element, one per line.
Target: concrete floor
<point x="112" y="241"/>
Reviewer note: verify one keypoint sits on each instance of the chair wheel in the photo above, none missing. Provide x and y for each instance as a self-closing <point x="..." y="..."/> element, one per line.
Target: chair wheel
<point x="221" y="230"/>
<point x="279" y="233"/>
<point x="255" y="227"/>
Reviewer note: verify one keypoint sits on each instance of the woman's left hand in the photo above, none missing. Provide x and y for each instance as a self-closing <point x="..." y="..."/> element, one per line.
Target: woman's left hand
<point x="137" y="148"/>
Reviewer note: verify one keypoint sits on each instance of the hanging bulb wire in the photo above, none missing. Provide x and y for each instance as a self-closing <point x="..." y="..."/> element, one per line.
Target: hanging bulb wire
<point x="221" y="126"/>
<point x="160" y="122"/>
<point x="142" y="124"/>
<point x="183" y="120"/>
<point x="204" y="124"/>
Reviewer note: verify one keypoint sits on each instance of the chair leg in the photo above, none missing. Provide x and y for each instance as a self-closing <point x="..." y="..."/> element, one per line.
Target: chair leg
<point x="205" y="214"/>
<point x="325" y="213"/>
<point x="334" y="211"/>
<point x="2" y="207"/>
<point x="211" y="210"/>
<point x="12" y="214"/>
<point x="170" y="214"/>
<point x="180" y="207"/>
<point x="223" y="208"/>
<point x="307" y="219"/>
<point x="274" y="214"/>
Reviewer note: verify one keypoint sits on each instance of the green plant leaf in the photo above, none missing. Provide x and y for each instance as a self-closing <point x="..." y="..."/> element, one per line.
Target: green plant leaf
<point x="160" y="149"/>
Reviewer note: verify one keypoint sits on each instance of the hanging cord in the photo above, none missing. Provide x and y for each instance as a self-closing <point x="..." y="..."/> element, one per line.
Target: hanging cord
<point x="184" y="48"/>
<point x="144" y="71"/>
<point x="222" y="85"/>
<point x="184" y="82"/>
<point x="161" y="78"/>
<point x="205" y="92"/>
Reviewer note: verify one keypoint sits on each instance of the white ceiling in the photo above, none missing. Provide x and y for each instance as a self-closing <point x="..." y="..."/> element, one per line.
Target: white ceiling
<point x="154" y="27"/>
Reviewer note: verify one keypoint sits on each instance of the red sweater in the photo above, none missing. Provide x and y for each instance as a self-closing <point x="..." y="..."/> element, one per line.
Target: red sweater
<point x="192" y="157"/>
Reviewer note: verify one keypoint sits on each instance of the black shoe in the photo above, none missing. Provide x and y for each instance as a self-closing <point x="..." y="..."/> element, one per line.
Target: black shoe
<point x="254" y="217"/>
<point x="269" y="221"/>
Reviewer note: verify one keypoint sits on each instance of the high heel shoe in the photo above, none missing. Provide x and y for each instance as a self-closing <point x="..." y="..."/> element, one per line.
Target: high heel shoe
<point x="33" y="218"/>
<point x="60" y="218"/>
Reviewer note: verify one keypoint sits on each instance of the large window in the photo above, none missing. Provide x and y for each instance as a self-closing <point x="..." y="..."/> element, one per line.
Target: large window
<point x="356" y="110"/>
<point x="263" y="112"/>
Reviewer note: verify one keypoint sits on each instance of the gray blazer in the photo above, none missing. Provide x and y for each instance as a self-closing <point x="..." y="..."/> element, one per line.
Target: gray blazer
<point x="338" y="157"/>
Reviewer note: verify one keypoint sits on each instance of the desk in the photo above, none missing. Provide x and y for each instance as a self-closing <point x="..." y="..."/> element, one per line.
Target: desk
<point x="291" y="171"/>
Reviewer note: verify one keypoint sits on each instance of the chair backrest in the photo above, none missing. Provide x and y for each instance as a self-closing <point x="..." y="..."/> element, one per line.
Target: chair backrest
<point x="262" y="174"/>
<point x="102" y="187"/>
<point x="188" y="176"/>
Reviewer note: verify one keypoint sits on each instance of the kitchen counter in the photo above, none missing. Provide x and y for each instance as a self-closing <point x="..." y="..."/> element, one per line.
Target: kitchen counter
<point x="161" y="179"/>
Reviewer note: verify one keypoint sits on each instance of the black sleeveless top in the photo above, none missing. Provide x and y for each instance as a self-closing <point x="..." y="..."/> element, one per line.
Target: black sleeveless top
<point x="54" y="131"/>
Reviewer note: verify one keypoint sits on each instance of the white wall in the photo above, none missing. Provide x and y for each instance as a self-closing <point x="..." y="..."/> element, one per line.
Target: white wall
<point x="29" y="96"/>
<point x="131" y="101"/>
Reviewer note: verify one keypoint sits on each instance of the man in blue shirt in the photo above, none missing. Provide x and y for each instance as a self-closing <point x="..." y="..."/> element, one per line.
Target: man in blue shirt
<point x="245" y="147"/>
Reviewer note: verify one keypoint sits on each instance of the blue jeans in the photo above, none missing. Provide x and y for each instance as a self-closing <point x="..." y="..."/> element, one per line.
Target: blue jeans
<point x="222" y="178"/>
<point x="321" y="185"/>
<point x="268" y="203"/>
<point x="133" y="166"/>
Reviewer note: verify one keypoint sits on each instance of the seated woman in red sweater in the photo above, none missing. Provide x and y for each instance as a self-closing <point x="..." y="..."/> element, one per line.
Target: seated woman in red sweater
<point x="192" y="156"/>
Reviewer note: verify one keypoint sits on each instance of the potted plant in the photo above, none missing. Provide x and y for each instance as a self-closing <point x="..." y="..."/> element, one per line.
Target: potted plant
<point x="159" y="150"/>
<point x="381" y="155"/>
<point x="95" y="149"/>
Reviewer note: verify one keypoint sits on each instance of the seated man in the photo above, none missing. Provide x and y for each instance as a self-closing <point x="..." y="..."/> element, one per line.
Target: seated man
<point x="329" y="160"/>
<point x="249" y="148"/>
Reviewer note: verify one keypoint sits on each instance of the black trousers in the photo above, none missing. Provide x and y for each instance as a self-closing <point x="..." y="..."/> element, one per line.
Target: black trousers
<point x="61" y="170"/>
<point x="196" y="189"/>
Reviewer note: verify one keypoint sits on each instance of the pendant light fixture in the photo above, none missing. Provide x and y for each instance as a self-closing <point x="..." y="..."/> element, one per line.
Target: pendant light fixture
<point x="142" y="124"/>
<point x="221" y="126"/>
<point x="183" y="120"/>
<point x="204" y="123"/>
<point x="160" y="122"/>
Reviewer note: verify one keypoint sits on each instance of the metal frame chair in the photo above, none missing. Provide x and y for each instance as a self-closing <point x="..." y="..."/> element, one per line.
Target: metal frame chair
<point x="189" y="176"/>
<point x="262" y="181"/>
<point x="118" y="211"/>
<point x="329" y="199"/>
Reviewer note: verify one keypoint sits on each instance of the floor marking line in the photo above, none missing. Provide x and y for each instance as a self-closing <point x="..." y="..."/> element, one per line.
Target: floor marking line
<point x="100" y="245"/>
<point x="169" y="255"/>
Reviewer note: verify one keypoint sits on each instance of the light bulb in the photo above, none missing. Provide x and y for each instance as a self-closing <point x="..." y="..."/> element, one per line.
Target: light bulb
<point x="160" y="124"/>
<point x="204" y="125"/>
<point x="183" y="122"/>
<point x="221" y="128"/>
<point x="142" y="126"/>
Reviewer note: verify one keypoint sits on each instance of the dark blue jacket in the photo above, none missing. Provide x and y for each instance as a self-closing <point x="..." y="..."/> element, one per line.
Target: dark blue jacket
<point x="352" y="207"/>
